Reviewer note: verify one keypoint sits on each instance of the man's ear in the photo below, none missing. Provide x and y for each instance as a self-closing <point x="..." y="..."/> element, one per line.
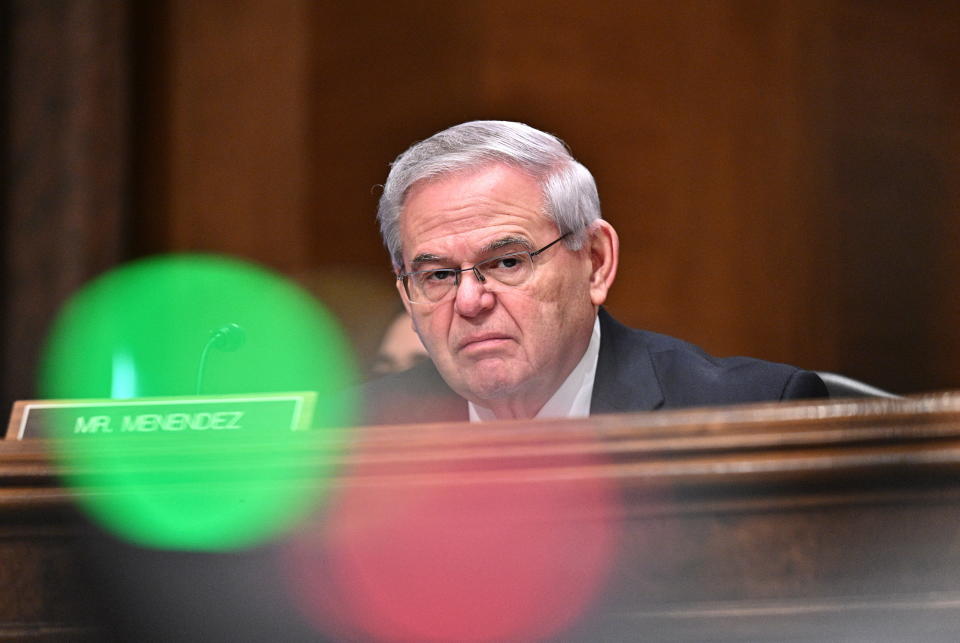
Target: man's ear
<point x="604" y="246"/>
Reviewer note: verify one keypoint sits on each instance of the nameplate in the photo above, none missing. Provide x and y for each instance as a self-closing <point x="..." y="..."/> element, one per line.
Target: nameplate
<point x="207" y="413"/>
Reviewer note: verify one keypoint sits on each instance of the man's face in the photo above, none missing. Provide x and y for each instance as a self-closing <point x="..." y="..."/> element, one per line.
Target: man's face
<point x="494" y="343"/>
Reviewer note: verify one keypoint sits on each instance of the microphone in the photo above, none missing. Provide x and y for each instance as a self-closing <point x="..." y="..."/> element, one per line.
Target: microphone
<point x="227" y="339"/>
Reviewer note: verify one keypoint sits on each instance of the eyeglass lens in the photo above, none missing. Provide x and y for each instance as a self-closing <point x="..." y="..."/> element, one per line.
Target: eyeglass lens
<point x="432" y="285"/>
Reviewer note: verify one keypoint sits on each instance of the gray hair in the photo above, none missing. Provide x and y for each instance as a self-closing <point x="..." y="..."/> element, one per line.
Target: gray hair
<point x="569" y="191"/>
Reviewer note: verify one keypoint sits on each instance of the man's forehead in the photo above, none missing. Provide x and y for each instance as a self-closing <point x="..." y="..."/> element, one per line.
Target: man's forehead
<point x="501" y="207"/>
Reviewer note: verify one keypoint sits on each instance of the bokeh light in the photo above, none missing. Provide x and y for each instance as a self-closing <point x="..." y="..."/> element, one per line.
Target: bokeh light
<point x="176" y="327"/>
<point x="471" y="552"/>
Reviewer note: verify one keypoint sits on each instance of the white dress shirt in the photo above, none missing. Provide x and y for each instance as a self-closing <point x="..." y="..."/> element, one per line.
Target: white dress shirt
<point x="572" y="399"/>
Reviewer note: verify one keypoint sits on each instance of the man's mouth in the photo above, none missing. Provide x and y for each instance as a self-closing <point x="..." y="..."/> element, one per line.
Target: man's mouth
<point x="482" y="341"/>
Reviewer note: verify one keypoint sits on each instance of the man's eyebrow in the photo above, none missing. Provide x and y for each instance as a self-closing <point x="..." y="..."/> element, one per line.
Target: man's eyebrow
<point x="505" y="241"/>
<point x="429" y="257"/>
<point x="426" y="257"/>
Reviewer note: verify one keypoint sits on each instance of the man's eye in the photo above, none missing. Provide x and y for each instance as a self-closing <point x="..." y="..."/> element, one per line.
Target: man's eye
<point x="505" y="263"/>
<point x="437" y="276"/>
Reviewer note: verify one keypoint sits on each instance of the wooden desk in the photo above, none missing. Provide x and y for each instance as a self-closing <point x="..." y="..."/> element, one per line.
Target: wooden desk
<point x="807" y="521"/>
<point x="41" y="598"/>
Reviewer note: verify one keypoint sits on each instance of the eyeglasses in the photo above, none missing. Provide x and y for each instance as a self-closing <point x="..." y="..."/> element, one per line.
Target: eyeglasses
<point x="432" y="286"/>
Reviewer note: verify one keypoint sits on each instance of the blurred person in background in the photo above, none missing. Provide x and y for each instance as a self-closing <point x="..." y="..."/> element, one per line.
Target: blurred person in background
<point x="400" y="349"/>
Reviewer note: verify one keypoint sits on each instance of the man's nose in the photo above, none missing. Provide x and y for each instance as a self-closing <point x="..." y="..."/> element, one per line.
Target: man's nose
<point x="473" y="297"/>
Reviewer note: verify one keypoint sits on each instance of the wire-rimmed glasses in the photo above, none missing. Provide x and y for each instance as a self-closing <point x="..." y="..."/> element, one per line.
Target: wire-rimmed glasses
<point x="436" y="284"/>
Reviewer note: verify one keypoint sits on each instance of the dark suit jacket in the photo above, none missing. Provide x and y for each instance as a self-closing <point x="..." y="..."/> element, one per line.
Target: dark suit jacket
<point x="637" y="370"/>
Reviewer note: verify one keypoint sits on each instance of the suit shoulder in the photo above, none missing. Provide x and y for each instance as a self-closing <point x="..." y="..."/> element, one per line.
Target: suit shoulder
<point x="690" y="376"/>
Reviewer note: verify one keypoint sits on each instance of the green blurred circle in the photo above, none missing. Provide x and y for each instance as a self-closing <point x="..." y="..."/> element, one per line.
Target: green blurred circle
<point x="168" y="327"/>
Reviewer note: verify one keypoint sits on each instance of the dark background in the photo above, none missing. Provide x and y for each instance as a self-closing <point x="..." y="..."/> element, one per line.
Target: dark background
<point x="784" y="175"/>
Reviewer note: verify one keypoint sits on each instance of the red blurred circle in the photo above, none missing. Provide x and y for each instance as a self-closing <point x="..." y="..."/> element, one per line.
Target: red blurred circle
<point x="466" y="554"/>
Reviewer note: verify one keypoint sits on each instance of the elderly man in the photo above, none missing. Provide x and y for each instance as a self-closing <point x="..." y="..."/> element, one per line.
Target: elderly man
<point x="503" y="262"/>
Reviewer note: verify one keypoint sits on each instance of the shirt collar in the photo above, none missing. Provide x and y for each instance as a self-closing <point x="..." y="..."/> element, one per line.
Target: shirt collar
<point x="572" y="399"/>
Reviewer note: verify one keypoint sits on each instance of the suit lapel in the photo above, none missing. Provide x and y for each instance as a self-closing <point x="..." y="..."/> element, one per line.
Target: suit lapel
<point x="626" y="379"/>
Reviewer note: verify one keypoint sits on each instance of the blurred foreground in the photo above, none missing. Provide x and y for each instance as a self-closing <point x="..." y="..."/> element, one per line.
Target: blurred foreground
<point x="799" y="522"/>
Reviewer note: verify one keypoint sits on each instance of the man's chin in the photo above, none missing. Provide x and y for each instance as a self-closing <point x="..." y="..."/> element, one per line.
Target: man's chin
<point x="489" y="382"/>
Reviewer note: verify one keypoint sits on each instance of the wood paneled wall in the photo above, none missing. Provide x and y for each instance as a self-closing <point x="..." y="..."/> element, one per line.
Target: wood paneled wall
<point x="784" y="175"/>
<point x="63" y="153"/>
<point x="894" y="190"/>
